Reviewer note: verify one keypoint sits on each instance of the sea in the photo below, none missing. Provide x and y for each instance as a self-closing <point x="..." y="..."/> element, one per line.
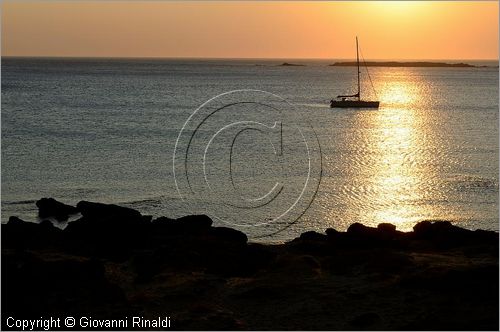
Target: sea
<point x="252" y="143"/>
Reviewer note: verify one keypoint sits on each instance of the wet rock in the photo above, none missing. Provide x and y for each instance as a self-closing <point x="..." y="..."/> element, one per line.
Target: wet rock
<point x="49" y="207"/>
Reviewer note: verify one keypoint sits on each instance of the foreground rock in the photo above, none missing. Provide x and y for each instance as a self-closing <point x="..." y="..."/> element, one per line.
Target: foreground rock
<point x="115" y="263"/>
<point x="49" y="207"/>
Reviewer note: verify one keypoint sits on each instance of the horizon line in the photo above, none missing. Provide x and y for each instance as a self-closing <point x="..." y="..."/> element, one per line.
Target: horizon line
<point x="234" y="58"/>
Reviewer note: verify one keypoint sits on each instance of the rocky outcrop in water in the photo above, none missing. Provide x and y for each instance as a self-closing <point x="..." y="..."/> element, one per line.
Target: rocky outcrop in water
<point x="114" y="262"/>
<point x="287" y="64"/>
<point x="49" y="207"/>
<point x="404" y="64"/>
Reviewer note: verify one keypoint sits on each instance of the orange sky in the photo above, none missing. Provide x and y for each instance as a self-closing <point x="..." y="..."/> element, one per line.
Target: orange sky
<point x="387" y="30"/>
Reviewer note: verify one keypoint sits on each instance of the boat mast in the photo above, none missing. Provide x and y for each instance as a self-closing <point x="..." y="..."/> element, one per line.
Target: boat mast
<point x="357" y="60"/>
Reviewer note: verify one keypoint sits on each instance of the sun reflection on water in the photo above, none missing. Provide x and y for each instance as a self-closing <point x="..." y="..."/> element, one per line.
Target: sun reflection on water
<point x="393" y="173"/>
<point x="422" y="155"/>
<point x="398" y="93"/>
<point x="392" y="164"/>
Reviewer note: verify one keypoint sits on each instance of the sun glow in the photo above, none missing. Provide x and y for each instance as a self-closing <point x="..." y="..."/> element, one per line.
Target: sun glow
<point x="251" y="29"/>
<point x="396" y="8"/>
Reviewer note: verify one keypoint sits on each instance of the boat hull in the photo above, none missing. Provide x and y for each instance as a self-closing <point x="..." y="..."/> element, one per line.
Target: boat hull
<point x="354" y="104"/>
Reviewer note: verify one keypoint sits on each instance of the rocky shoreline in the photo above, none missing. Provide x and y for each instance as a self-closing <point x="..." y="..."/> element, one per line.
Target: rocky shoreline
<point x="114" y="263"/>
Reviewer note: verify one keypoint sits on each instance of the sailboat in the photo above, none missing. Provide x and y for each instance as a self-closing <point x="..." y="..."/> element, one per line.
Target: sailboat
<point x="354" y="101"/>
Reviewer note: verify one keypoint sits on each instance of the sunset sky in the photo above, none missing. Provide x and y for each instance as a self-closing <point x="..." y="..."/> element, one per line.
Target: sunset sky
<point x="387" y="30"/>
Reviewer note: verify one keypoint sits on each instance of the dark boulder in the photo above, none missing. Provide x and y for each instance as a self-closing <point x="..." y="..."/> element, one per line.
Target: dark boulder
<point x="387" y="228"/>
<point x="367" y="234"/>
<point x="388" y="233"/>
<point x="427" y="228"/>
<point x="228" y="236"/>
<point x="442" y="234"/>
<point x="335" y="238"/>
<point x="107" y="230"/>
<point x="49" y="207"/>
<point x="332" y="233"/>
<point x="107" y="219"/>
<point x="312" y="236"/>
<point x="311" y="243"/>
<point x="107" y="211"/>
<point x="385" y="235"/>
<point x="18" y="233"/>
<point x="486" y="237"/>
<point x="196" y="222"/>
<point x="223" y="251"/>
<point x="360" y="229"/>
<point x="13" y="220"/>
<point x="189" y="225"/>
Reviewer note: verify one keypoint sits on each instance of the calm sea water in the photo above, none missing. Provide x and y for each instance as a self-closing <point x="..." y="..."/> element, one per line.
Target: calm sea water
<point x="105" y="130"/>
